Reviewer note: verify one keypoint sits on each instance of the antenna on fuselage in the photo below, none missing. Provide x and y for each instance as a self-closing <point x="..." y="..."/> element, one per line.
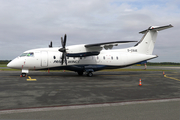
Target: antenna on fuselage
<point x="50" y="46"/>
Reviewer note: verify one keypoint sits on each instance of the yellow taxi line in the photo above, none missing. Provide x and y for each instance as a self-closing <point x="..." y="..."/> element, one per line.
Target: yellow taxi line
<point x="171" y="78"/>
<point x="31" y="79"/>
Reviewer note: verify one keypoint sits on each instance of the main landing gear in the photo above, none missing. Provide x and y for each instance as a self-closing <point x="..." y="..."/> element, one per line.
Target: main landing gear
<point x="80" y="73"/>
<point x="89" y="72"/>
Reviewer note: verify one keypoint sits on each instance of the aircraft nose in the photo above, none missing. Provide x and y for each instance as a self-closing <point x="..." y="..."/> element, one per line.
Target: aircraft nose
<point x="10" y="64"/>
<point x="13" y="64"/>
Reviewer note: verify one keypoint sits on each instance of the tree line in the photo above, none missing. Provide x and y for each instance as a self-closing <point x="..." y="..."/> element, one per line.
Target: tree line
<point x="4" y="61"/>
<point x="162" y="63"/>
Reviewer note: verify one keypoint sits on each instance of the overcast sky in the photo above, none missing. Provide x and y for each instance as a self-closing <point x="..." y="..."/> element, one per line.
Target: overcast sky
<point x="29" y="24"/>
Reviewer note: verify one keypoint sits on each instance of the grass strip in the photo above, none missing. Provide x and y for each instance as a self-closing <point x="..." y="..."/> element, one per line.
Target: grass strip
<point x="124" y="70"/>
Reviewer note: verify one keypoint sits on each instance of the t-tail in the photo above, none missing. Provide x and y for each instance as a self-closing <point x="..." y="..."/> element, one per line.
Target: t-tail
<point x="146" y="44"/>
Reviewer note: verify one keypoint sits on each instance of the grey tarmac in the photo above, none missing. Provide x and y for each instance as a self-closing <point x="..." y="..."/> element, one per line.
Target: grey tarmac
<point x="63" y="89"/>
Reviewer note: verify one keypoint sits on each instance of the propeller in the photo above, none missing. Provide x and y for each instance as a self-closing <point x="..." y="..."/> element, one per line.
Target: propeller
<point x="63" y="50"/>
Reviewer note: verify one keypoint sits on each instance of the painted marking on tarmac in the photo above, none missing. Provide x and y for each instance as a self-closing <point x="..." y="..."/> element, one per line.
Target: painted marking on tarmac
<point x="133" y="75"/>
<point x="31" y="79"/>
<point x="84" y="106"/>
<point x="171" y="78"/>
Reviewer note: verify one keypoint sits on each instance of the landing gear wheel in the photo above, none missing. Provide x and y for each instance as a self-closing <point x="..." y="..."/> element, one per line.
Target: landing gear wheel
<point x="89" y="74"/>
<point x="80" y="73"/>
<point x="23" y="74"/>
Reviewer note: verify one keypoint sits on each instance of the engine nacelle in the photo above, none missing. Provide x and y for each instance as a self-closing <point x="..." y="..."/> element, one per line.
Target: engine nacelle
<point x="82" y="51"/>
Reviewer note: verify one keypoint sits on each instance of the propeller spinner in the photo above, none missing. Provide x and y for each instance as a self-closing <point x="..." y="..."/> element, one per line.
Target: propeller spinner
<point x="63" y="50"/>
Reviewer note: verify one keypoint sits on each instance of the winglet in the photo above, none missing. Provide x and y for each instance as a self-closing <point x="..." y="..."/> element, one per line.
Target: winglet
<point x="157" y="28"/>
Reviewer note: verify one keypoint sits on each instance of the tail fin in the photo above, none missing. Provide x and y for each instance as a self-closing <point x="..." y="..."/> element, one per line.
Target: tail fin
<point x="146" y="44"/>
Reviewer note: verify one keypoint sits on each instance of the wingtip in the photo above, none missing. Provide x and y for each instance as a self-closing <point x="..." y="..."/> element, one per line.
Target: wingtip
<point x="171" y="25"/>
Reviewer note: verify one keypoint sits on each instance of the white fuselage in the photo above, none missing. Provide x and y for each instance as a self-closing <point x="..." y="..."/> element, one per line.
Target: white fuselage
<point x="50" y="58"/>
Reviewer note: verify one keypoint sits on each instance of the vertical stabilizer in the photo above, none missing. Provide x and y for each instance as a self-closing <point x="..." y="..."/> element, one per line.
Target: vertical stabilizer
<point x="146" y="44"/>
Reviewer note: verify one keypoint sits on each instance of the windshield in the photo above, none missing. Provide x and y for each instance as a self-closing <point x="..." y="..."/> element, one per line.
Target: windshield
<point x="31" y="54"/>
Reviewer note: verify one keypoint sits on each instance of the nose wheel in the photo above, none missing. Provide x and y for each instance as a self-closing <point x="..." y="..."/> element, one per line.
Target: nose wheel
<point x="23" y="75"/>
<point x="24" y="72"/>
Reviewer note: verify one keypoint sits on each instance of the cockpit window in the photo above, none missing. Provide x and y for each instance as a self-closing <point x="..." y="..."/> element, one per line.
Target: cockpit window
<point x="27" y="54"/>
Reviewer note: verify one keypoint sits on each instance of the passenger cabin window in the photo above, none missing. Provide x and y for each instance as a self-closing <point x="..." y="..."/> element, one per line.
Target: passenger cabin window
<point x="112" y="58"/>
<point x="117" y="58"/>
<point x="31" y="54"/>
<point x="104" y="57"/>
<point x="54" y="57"/>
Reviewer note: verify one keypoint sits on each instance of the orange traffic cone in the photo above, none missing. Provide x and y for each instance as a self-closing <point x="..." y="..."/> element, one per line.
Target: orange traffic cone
<point x="163" y="73"/>
<point x="140" y="82"/>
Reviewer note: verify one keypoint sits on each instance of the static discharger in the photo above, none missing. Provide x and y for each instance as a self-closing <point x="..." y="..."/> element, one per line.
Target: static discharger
<point x="31" y="79"/>
<point x="140" y="82"/>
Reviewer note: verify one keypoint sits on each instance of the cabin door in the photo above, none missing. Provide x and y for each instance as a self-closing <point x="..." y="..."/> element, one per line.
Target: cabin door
<point x="44" y="58"/>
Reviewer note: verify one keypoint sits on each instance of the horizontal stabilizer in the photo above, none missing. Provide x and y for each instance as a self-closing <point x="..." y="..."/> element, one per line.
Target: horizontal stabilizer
<point x="157" y="28"/>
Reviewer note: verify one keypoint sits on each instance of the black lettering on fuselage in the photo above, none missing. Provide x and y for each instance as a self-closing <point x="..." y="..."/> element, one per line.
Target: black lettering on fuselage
<point x="73" y="61"/>
<point x="70" y="61"/>
<point x="57" y="61"/>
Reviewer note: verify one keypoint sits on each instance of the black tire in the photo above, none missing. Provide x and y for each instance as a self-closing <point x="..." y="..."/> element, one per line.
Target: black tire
<point x="23" y="74"/>
<point x="89" y="74"/>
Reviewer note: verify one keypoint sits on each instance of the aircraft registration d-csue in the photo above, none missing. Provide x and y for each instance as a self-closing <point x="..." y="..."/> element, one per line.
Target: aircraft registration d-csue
<point x="88" y="58"/>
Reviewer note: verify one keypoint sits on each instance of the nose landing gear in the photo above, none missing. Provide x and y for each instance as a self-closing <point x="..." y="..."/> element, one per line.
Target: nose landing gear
<point x="23" y="75"/>
<point x="24" y="72"/>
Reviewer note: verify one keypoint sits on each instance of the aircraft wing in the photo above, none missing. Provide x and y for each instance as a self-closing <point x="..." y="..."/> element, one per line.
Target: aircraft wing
<point x="106" y="45"/>
<point x="94" y="49"/>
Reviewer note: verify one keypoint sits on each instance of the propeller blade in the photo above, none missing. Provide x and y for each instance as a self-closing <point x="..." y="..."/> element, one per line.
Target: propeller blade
<point x="62" y="61"/>
<point x="64" y="41"/>
<point x="65" y="58"/>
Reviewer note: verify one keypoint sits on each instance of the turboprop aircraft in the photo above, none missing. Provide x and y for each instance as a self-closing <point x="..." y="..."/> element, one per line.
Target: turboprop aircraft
<point x="88" y="57"/>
